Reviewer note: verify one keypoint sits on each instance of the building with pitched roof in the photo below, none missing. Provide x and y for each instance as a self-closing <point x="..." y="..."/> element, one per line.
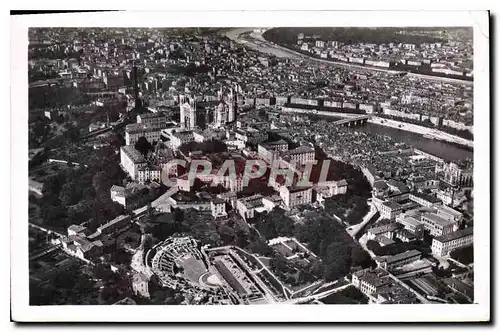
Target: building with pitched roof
<point x="249" y="205"/>
<point x="300" y="155"/>
<point x="140" y="284"/>
<point x="387" y="230"/>
<point x="295" y="195"/>
<point x="131" y="160"/>
<point x="444" y="244"/>
<point x="134" y="131"/>
<point x="378" y="285"/>
<point x="157" y="120"/>
<point x="398" y="260"/>
<point x="437" y="225"/>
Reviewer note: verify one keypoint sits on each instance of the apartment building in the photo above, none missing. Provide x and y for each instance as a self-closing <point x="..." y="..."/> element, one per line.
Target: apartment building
<point x="149" y="173"/>
<point x="389" y="210"/>
<point x="157" y="120"/>
<point x="444" y="244"/>
<point x="424" y="199"/>
<point x="369" y="281"/>
<point x="251" y="135"/>
<point x="79" y="246"/>
<point x="294" y="196"/>
<point x="140" y="285"/>
<point x="270" y="150"/>
<point x="328" y="189"/>
<point x="437" y="225"/>
<point x="410" y="223"/>
<point x="247" y="206"/>
<point x="113" y="226"/>
<point x="134" y="131"/>
<point x="301" y="155"/>
<point x="218" y="207"/>
<point x="131" y="160"/>
<point x="449" y="213"/>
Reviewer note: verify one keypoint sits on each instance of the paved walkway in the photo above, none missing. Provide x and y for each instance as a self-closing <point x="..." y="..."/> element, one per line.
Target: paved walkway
<point x="354" y="229"/>
<point x="317" y="296"/>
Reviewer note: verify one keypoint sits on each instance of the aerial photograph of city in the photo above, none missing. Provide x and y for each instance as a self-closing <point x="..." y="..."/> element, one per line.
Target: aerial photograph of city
<point x="251" y="166"/>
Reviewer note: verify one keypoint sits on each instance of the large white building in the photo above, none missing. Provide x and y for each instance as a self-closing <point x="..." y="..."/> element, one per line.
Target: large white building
<point x="294" y="196"/>
<point x="442" y="245"/>
<point x="437" y="220"/>
<point x="327" y="189"/>
<point x="131" y="160"/>
<point x="149" y="173"/>
<point x="247" y="206"/>
<point x="218" y="208"/>
<point x="437" y="225"/>
<point x="269" y="151"/>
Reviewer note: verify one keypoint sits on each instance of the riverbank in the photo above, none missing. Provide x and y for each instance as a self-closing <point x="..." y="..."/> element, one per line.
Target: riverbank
<point x="428" y="76"/>
<point x="256" y="41"/>
<point x="429" y="133"/>
<point x="424" y="131"/>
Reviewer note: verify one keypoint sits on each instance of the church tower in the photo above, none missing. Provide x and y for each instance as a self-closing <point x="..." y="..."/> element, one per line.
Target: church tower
<point x="187" y="107"/>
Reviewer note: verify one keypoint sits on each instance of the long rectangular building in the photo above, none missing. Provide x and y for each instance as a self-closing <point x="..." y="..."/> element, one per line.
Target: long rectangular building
<point x="437" y="225"/>
<point x="442" y="245"/>
<point x="114" y="225"/>
<point x="392" y="262"/>
<point x="158" y="120"/>
<point x="131" y="160"/>
<point x="136" y="130"/>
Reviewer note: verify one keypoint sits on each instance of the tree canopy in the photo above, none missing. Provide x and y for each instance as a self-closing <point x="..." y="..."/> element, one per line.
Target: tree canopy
<point x="349" y="35"/>
<point x="143" y="146"/>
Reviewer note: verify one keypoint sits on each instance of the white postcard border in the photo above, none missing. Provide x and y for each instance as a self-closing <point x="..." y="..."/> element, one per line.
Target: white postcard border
<point x="21" y="311"/>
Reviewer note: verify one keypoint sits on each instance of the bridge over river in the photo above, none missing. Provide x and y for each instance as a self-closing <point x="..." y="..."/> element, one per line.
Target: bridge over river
<point x="362" y="119"/>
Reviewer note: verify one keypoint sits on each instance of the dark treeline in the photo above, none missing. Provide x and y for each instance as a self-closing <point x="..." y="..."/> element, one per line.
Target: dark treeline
<point x="288" y="36"/>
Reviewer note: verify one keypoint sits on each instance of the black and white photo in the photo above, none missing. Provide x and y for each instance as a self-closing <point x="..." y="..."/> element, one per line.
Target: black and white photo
<point x="315" y="167"/>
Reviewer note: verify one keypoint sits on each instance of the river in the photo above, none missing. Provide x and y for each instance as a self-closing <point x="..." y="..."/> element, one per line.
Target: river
<point x="440" y="149"/>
